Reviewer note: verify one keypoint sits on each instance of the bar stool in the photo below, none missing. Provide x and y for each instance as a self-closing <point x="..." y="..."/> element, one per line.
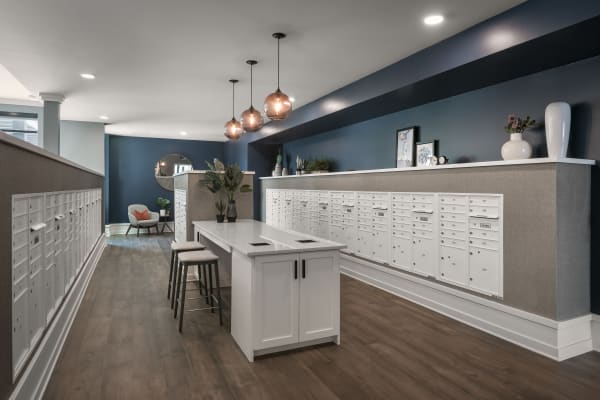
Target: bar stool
<point x="207" y="260"/>
<point x="176" y="248"/>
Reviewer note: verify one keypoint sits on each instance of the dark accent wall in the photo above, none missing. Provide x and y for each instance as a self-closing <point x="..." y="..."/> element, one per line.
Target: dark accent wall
<point x="130" y="169"/>
<point x="469" y="127"/>
<point x="24" y="171"/>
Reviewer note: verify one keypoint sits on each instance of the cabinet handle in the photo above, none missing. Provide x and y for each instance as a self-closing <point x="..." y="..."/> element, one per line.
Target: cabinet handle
<point x="303" y="269"/>
<point x="295" y="269"/>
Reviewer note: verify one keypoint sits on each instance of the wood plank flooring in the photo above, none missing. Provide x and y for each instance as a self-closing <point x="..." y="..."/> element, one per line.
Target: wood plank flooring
<point x="124" y="344"/>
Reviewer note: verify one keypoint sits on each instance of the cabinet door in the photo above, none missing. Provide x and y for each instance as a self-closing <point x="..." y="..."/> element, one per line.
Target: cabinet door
<point x="423" y="256"/>
<point x="401" y="253"/>
<point x="37" y="320"/>
<point x="484" y="270"/>
<point x="20" y="332"/>
<point x="276" y="300"/>
<point x="319" y="295"/>
<point x="454" y="265"/>
<point x="381" y="247"/>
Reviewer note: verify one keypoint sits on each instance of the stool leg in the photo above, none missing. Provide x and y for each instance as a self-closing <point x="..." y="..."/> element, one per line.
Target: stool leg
<point x="171" y="275"/>
<point x="182" y="298"/>
<point x="177" y="288"/>
<point x="210" y="285"/>
<point x="219" y="299"/>
<point x="205" y="273"/>
<point x="200" y="279"/>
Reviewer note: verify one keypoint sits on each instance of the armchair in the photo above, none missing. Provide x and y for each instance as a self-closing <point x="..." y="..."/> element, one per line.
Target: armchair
<point x="144" y="224"/>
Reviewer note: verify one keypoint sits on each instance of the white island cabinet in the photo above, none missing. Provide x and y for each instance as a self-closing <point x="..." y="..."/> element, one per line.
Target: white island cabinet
<point x="285" y="286"/>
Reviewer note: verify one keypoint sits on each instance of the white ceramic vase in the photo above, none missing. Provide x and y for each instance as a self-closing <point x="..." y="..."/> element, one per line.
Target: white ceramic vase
<point x="516" y="148"/>
<point x="558" y="128"/>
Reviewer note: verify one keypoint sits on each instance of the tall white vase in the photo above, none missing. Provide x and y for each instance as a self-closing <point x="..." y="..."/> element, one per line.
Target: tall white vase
<point x="558" y="128"/>
<point x="516" y="148"/>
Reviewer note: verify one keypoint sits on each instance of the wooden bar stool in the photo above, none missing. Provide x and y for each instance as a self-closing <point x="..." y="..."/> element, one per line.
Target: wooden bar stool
<point x="176" y="249"/>
<point x="201" y="259"/>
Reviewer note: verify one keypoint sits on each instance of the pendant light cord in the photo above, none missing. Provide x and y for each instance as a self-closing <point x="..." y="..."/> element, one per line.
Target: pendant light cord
<point x="278" y="39"/>
<point x="233" y="100"/>
<point x="251" y="105"/>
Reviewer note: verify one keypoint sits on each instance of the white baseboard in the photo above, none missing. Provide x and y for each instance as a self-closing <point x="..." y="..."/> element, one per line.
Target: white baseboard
<point x="121" y="229"/>
<point x="596" y="331"/>
<point x="558" y="340"/>
<point x="36" y="376"/>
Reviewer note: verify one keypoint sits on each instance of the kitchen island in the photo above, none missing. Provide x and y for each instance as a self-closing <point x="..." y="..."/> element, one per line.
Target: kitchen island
<point x="285" y="286"/>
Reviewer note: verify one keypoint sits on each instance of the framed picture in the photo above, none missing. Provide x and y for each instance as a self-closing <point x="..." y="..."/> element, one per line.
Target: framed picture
<point x="425" y="153"/>
<point x="405" y="147"/>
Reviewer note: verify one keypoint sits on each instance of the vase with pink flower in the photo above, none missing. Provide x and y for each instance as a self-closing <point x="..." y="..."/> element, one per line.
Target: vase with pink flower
<point x="517" y="148"/>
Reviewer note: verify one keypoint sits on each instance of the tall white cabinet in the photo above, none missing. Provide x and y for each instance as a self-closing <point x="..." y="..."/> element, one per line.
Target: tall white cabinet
<point x="52" y="234"/>
<point x="455" y="238"/>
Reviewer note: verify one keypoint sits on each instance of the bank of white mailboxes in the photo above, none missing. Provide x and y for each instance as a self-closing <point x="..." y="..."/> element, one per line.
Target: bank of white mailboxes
<point x="453" y="237"/>
<point x="180" y="198"/>
<point x="52" y="234"/>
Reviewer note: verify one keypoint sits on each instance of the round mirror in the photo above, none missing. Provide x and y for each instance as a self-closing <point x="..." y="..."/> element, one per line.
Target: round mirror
<point x="170" y="165"/>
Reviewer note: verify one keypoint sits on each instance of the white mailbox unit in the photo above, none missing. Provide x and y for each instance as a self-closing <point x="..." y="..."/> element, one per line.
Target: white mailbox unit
<point x="455" y="238"/>
<point x="52" y="234"/>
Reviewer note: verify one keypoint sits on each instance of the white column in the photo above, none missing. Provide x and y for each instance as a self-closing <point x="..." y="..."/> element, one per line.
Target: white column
<point x="51" y="121"/>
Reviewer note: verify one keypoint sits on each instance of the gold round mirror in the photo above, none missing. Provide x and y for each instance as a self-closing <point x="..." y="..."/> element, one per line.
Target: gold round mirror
<point x="168" y="166"/>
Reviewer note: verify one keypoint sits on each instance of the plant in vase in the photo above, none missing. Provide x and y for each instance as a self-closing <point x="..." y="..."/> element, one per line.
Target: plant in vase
<point x="319" y="165"/>
<point x="220" y="206"/>
<point x="164" y="205"/>
<point x="214" y="183"/>
<point x="517" y="148"/>
<point x="232" y="184"/>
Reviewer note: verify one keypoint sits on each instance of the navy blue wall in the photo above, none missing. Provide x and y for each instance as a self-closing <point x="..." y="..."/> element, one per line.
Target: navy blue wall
<point x="130" y="169"/>
<point x="469" y="127"/>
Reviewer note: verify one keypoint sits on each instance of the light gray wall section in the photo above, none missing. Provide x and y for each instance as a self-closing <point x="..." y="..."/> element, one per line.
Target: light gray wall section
<point x="535" y="280"/>
<point x="51" y="126"/>
<point x="574" y="255"/>
<point x="83" y="143"/>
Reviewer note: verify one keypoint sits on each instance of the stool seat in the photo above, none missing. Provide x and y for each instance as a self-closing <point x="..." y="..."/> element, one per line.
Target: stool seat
<point x="186" y="246"/>
<point x="202" y="256"/>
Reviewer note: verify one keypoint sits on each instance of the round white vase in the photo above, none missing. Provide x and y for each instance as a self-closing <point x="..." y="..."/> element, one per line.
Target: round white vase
<point x="558" y="128"/>
<point x="516" y="148"/>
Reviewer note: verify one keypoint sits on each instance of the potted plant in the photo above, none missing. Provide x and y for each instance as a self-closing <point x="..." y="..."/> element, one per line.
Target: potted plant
<point x="517" y="148"/>
<point x="214" y="183"/>
<point x="164" y="205"/>
<point x="319" y="166"/>
<point x="232" y="184"/>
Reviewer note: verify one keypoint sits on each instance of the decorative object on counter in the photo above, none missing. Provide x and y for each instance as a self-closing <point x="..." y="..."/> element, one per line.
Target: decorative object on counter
<point x="278" y="164"/>
<point x="164" y="206"/>
<point x="405" y="147"/>
<point x="251" y="119"/>
<point x="319" y="166"/>
<point x="214" y="183"/>
<point x="278" y="105"/>
<point x="300" y="166"/>
<point x="442" y="160"/>
<point x="558" y="128"/>
<point x="219" y="166"/>
<point x="233" y="128"/>
<point x="232" y="184"/>
<point x="220" y="206"/>
<point x="284" y="172"/>
<point x="434" y="160"/>
<point x="517" y="148"/>
<point x="425" y="154"/>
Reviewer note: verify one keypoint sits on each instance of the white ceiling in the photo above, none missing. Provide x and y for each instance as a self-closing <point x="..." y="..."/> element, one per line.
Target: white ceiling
<point x="162" y="66"/>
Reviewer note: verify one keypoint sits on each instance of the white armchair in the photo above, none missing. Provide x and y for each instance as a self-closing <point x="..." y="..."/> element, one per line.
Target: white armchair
<point x="144" y="224"/>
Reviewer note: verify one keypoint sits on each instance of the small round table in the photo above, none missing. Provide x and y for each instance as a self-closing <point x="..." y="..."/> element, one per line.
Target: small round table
<point x="164" y="220"/>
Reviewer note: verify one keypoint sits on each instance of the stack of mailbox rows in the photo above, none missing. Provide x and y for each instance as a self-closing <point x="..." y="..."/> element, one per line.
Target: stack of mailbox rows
<point x="52" y="235"/>
<point x="453" y="237"/>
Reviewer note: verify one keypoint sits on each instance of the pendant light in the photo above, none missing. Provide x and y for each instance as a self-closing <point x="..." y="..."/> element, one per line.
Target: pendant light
<point x="233" y="128"/>
<point x="278" y="105"/>
<point x="251" y="119"/>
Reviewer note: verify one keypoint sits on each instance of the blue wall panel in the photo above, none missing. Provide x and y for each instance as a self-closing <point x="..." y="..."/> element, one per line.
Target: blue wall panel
<point x="130" y="170"/>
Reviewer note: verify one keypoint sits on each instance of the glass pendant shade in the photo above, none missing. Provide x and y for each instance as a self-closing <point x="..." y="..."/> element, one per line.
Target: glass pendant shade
<point x="251" y="119"/>
<point x="233" y="129"/>
<point x="278" y="105"/>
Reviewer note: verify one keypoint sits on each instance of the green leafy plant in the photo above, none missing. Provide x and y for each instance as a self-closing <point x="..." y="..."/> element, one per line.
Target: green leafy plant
<point x="163" y="204"/>
<point x="220" y="206"/>
<point x="519" y="125"/>
<point x="319" y="164"/>
<point x="232" y="182"/>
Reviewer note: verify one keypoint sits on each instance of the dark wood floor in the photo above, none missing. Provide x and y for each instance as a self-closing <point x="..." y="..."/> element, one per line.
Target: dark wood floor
<point x="124" y="344"/>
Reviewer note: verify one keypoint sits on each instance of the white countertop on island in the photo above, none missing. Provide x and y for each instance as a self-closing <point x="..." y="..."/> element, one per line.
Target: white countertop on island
<point x="241" y="234"/>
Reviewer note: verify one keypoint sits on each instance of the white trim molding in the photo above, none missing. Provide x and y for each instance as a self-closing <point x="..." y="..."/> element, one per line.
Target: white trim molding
<point x="558" y="340"/>
<point x="121" y="229"/>
<point x="596" y="331"/>
<point x="36" y="376"/>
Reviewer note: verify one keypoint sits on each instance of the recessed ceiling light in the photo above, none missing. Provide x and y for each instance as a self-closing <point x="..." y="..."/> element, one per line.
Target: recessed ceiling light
<point x="183" y="133"/>
<point x="433" y="19"/>
<point x="87" y="75"/>
<point x="103" y="117"/>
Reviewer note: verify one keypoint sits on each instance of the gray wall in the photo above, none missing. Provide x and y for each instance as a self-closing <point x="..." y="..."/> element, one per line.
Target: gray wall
<point x="546" y="224"/>
<point x="83" y="143"/>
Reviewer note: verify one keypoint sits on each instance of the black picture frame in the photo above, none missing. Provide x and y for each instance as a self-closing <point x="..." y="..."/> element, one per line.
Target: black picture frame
<point x="406" y="139"/>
